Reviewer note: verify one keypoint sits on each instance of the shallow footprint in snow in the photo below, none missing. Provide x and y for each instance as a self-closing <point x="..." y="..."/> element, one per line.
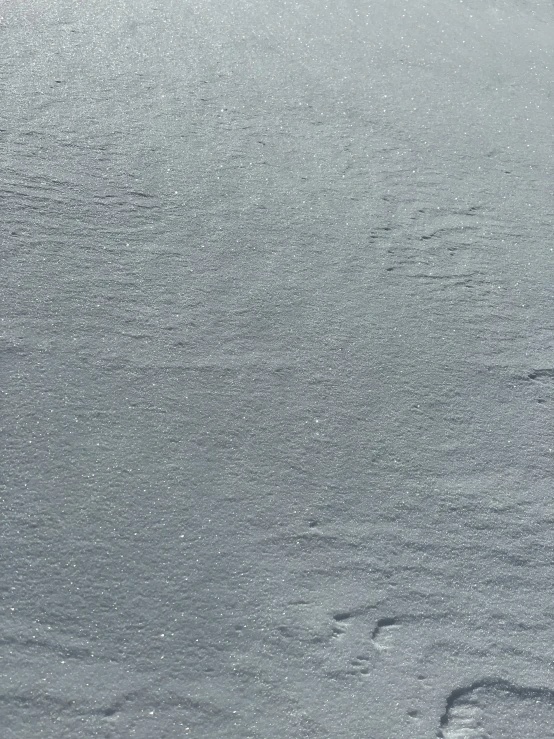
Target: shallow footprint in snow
<point x="464" y="721"/>
<point x="338" y="629"/>
<point x="497" y="708"/>
<point x="383" y="633"/>
<point x="360" y="665"/>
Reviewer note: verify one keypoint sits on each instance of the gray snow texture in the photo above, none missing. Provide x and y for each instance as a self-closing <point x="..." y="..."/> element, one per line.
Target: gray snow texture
<point x="277" y="349"/>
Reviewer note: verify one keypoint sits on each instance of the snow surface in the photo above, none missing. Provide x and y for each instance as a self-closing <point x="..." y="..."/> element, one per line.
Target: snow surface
<point x="278" y="369"/>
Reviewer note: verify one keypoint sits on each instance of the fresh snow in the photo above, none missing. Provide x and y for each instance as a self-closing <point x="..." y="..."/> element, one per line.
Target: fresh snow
<point x="277" y="369"/>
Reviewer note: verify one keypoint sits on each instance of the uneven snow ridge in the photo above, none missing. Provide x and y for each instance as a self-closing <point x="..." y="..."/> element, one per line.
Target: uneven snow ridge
<point x="277" y="369"/>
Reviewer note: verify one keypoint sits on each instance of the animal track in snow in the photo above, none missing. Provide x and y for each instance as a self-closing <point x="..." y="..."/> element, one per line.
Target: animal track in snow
<point x="543" y="379"/>
<point x="383" y="633"/>
<point x="544" y="376"/>
<point x="339" y="618"/>
<point x="489" y="708"/>
<point x="360" y="665"/>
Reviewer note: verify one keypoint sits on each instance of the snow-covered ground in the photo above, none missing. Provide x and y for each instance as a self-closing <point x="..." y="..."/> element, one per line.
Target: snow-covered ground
<point x="277" y="368"/>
